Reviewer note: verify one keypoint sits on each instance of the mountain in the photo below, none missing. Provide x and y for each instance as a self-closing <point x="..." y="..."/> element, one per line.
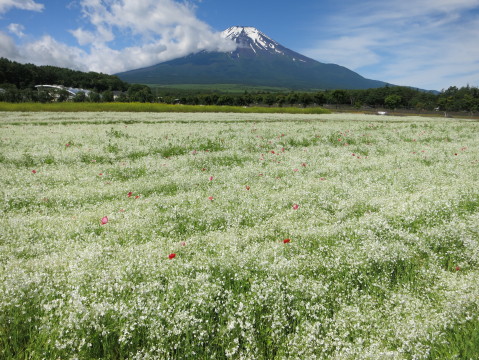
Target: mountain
<point x="258" y="61"/>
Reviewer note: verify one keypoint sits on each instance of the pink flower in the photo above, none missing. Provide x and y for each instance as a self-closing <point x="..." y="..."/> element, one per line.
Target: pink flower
<point x="295" y="170"/>
<point x="211" y="198"/>
<point x="285" y="241"/>
<point x="171" y="256"/>
<point x="211" y="178"/>
<point x="295" y="207"/>
<point x="104" y="220"/>
<point x="67" y="145"/>
<point x="100" y="174"/>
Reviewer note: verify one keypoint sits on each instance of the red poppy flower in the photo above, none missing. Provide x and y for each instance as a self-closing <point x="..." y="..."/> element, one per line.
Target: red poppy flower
<point x="458" y="268"/>
<point x="100" y="174"/>
<point x="104" y="220"/>
<point x="211" y="198"/>
<point x="34" y="171"/>
<point x="295" y="207"/>
<point x="137" y="196"/>
<point x="129" y="194"/>
<point x="286" y="241"/>
<point x="171" y="256"/>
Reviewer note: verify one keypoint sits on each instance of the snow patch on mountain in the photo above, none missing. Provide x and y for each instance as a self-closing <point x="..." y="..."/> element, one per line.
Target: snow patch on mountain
<point x="242" y="34"/>
<point x="251" y="42"/>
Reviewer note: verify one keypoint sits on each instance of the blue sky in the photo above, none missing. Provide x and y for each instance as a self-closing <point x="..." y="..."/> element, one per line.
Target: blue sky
<point x="430" y="44"/>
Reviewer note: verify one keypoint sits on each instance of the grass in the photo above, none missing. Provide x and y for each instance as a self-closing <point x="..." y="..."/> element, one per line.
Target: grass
<point x="222" y="88"/>
<point x="381" y="214"/>
<point x="148" y="107"/>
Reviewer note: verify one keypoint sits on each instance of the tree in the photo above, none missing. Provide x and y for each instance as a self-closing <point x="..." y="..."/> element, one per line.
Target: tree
<point x="94" y="97"/>
<point x="392" y="101"/>
<point x="306" y="99"/>
<point x="107" y="96"/>
<point x="269" y="99"/>
<point x="80" y="97"/>
<point x="140" y="93"/>
<point x="63" y="95"/>
<point x="319" y="98"/>
<point x="339" y="97"/>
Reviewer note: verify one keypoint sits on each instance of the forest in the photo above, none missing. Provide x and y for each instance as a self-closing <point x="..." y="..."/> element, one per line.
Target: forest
<point x="18" y="81"/>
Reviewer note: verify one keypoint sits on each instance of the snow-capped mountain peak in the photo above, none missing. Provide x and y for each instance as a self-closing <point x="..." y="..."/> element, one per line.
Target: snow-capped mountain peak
<point x="251" y="42"/>
<point x="245" y="35"/>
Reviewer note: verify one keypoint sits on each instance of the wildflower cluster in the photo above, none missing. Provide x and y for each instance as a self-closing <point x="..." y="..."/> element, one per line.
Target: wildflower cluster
<point x="214" y="236"/>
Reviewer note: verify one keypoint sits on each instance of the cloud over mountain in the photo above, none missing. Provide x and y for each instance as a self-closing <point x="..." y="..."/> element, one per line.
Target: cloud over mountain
<point x="160" y="29"/>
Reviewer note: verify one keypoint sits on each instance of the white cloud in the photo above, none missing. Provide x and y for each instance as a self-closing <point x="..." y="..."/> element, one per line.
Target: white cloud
<point x="8" y="49"/>
<point x="119" y="35"/>
<point x="48" y="51"/>
<point x="424" y="43"/>
<point x="16" y="29"/>
<point x="6" y="5"/>
<point x="161" y="29"/>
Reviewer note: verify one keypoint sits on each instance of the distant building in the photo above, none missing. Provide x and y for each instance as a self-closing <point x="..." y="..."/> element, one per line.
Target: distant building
<point x="54" y="90"/>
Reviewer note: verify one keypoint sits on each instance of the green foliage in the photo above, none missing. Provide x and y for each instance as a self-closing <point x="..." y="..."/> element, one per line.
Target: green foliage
<point x="392" y="101"/>
<point x="25" y="76"/>
<point x="461" y="341"/>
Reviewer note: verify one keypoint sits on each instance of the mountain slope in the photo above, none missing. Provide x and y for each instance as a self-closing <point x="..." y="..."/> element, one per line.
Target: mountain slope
<point x="257" y="60"/>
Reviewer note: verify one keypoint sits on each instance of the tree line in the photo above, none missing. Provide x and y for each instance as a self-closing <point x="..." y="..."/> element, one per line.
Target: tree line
<point x="18" y="81"/>
<point x="388" y="97"/>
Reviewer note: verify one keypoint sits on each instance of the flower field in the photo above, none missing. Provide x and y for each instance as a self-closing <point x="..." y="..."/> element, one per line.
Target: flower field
<point x="238" y="236"/>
